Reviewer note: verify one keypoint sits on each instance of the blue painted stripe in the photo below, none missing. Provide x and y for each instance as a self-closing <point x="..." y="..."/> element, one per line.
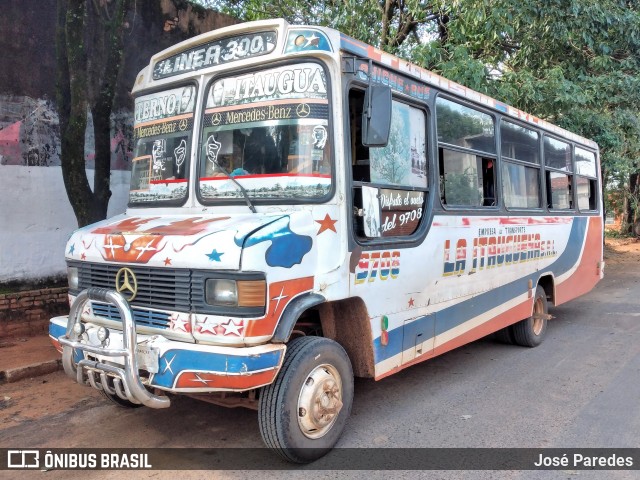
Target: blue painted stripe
<point x="352" y="45"/>
<point x="56" y="331"/>
<point x="184" y="360"/>
<point x="464" y="311"/>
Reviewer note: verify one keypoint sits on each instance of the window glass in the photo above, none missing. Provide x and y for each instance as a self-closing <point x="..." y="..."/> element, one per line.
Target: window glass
<point x="269" y="130"/>
<point x="557" y="154"/>
<point x="403" y="161"/>
<point x="585" y="162"/>
<point x="464" y="126"/>
<point x="519" y="143"/>
<point x="521" y="186"/>
<point x="559" y="190"/>
<point x="162" y="129"/>
<point x="460" y="172"/>
<point x="585" y="193"/>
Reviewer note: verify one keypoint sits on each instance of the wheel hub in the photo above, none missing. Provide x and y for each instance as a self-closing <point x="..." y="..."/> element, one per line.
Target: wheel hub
<point x="538" y="318"/>
<point x="320" y="401"/>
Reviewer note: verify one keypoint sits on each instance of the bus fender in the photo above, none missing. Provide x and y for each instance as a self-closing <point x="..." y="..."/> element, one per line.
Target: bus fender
<point x="292" y="313"/>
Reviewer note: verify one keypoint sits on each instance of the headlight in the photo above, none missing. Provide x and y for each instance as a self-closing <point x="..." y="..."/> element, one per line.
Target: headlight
<point x="235" y="293"/>
<point x="72" y="277"/>
<point x="221" y="291"/>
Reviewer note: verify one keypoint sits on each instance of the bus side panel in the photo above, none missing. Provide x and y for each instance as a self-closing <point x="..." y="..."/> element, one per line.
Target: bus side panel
<point x="588" y="271"/>
<point x="478" y="315"/>
<point x="443" y="345"/>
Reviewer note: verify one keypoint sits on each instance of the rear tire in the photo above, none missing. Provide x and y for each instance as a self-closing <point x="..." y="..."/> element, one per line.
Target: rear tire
<point x="504" y="335"/>
<point x="302" y="414"/>
<point x="530" y="331"/>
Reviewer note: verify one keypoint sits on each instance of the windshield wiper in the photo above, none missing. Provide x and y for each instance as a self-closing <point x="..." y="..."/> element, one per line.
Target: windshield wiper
<point x="212" y="155"/>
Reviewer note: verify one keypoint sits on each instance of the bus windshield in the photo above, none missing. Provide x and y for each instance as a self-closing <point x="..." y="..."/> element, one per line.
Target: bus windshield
<point x="163" y="126"/>
<point x="269" y="130"/>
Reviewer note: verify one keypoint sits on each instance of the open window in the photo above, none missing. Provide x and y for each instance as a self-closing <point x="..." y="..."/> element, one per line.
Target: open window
<point x="521" y="166"/>
<point x="389" y="182"/>
<point x="586" y="179"/>
<point x="466" y="155"/>
<point x="559" y="174"/>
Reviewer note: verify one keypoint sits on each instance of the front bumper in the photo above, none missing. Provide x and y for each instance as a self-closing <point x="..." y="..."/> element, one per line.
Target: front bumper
<point x="133" y="366"/>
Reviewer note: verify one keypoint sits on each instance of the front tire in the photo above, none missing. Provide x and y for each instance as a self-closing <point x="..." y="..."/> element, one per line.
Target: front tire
<point x="530" y="331"/>
<point x="302" y="414"/>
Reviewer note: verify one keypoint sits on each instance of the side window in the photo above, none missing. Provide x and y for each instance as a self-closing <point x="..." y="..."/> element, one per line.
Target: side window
<point x="586" y="180"/>
<point x="390" y="182"/>
<point x="559" y="170"/>
<point x="521" y="166"/>
<point x="467" y="155"/>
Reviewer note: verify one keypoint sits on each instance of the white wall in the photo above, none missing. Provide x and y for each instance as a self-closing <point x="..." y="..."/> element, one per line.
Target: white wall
<point x="36" y="219"/>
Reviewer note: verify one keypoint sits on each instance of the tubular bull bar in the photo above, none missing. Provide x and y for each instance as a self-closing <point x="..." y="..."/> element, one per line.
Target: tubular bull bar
<point x="123" y="382"/>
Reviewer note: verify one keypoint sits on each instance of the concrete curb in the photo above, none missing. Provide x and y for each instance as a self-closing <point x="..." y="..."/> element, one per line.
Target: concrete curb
<point x="34" y="370"/>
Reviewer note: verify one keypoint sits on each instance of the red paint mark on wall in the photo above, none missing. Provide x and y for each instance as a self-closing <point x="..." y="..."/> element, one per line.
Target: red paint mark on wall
<point x="10" y="144"/>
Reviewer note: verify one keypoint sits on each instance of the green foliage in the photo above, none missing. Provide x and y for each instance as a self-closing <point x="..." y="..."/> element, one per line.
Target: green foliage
<point x="572" y="62"/>
<point x="461" y="188"/>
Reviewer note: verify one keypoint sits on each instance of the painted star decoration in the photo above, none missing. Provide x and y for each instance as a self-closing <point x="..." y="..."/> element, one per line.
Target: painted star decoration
<point x="178" y="323"/>
<point x="411" y="302"/>
<point x="167" y="261"/>
<point x="215" y="255"/>
<point x="327" y="223"/>
<point x="231" y="328"/>
<point x="208" y="326"/>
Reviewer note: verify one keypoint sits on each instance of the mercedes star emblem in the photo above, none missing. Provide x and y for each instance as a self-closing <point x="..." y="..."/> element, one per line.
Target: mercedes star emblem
<point x="126" y="283"/>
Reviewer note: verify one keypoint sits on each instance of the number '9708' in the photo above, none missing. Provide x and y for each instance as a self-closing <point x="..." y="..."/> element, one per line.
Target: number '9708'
<point x="382" y="265"/>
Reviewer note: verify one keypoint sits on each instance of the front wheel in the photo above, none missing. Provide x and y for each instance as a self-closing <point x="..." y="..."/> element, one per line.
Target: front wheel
<point x="530" y="331"/>
<point x="301" y="415"/>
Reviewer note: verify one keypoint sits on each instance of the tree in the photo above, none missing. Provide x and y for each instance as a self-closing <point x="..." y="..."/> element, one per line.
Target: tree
<point x="572" y="62"/>
<point x="89" y="55"/>
<point x="392" y="25"/>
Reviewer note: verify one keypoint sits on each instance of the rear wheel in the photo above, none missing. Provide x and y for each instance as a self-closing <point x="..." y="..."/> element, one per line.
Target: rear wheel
<point x="530" y="331"/>
<point x="303" y="412"/>
<point x="504" y="335"/>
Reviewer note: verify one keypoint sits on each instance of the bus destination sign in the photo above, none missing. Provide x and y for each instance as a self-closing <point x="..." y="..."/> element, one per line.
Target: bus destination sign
<point x="221" y="51"/>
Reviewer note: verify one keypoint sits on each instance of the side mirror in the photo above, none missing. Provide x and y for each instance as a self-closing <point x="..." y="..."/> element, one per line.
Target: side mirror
<point x="376" y="117"/>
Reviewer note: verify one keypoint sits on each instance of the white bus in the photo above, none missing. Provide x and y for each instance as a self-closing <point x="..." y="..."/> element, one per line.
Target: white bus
<point x="306" y="208"/>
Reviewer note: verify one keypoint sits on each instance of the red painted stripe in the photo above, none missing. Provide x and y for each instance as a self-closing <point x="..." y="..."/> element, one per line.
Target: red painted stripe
<point x="280" y="294"/>
<point x="56" y="344"/>
<point x="189" y="380"/>
<point x="269" y="175"/>
<point x="587" y="274"/>
<point x="172" y="180"/>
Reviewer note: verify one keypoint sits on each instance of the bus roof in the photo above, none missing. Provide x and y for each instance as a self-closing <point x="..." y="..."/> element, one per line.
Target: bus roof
<point x="361" y="49"/>
<point x="192" y="55"/>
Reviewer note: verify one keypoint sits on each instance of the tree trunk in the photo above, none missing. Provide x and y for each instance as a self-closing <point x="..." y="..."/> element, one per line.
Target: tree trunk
<point x="101" y="111"/>
<point x="72" y="87"/>
<point x="73" y="102"/>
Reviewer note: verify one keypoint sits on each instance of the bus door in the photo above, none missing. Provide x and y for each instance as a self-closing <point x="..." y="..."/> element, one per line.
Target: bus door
<point x="389" y="194"/>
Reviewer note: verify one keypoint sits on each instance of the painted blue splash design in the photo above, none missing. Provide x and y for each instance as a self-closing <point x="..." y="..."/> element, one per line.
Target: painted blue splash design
<point x="173" y="362"/>
<point x="287" y="248"/>
<point x="313" y="40"/>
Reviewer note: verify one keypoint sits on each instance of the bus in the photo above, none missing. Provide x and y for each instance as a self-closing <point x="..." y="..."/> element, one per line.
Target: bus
<point x="305" y="208"/>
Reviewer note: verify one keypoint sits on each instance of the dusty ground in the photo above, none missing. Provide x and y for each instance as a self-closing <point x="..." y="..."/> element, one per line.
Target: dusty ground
<point x="621" y="250"/>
